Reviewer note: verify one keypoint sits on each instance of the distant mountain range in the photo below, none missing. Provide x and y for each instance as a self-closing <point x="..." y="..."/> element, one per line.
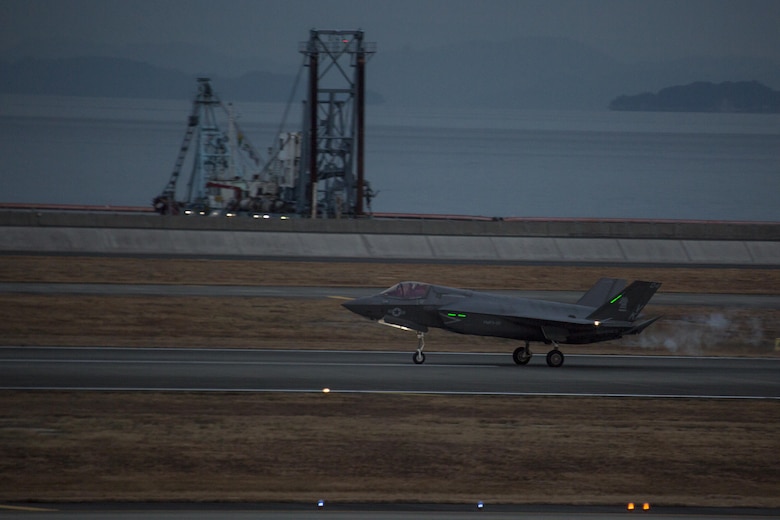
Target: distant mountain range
<point x="120" y="77"/>
<point x="744" y="96"/>
<point x="549" y="73"/>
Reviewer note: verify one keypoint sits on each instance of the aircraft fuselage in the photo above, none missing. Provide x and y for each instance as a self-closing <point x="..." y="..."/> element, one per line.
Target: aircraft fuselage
<point x="419" y="306"/>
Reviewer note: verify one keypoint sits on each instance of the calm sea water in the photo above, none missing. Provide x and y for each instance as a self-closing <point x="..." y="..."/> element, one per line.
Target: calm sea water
<point x="459" y="161"/>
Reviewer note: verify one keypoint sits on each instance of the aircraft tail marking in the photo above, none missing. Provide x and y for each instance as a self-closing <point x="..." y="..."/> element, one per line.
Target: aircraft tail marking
<point x="627" y="304"/>
<point x="603" y="290"/>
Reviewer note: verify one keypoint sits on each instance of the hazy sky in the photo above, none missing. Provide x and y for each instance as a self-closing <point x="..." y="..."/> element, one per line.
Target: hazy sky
<point x="630" y="30"/>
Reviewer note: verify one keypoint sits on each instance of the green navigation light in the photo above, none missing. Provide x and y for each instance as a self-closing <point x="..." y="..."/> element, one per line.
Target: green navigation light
<point x="616" y="298"/>
<point x="456" y="315"/>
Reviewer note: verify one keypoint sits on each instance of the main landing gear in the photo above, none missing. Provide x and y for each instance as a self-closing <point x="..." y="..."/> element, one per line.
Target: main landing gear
<point x="554" y="358"/>
<point x="418" y="357"/>
<point x="522" y="355"/>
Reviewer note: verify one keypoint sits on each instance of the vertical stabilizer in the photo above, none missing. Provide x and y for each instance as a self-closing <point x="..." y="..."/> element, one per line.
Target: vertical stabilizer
<point x="627" y="304"/>
<point x="603" y="290"/>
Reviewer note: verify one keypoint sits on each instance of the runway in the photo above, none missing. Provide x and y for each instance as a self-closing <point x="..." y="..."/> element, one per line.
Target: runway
<point x="212" y="370"/>
<point x="212" y="511"/>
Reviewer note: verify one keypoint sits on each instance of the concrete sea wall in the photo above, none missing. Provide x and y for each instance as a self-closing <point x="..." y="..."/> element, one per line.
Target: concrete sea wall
<point x="528" y="240"/>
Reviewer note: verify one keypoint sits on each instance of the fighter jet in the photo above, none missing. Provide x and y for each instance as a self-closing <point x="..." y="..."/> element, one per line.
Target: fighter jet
<point x="608" y="310"/>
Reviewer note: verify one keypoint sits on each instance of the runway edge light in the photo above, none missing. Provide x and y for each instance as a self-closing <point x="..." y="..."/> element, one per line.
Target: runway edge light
<point x="646" y="506"/>
<point x="630" y="506"/>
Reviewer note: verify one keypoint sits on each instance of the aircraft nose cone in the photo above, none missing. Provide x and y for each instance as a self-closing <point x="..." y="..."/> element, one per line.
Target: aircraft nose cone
<point x="350" y="305"/>
<point x="361" y="306"/>
<point x="355" y="305"/>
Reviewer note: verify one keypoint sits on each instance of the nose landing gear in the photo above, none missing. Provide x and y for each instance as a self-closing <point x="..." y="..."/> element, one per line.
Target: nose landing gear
<point x="418" y="357"/>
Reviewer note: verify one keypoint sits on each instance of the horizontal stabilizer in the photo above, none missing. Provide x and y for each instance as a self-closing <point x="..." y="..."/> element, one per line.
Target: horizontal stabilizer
<point x="642" y="326"/>
<point x="627" y="304"/>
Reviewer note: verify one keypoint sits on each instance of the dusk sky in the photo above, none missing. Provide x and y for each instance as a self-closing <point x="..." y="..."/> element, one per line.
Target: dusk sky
<point x="630" y="30"/>
<point x="494" y="87"/>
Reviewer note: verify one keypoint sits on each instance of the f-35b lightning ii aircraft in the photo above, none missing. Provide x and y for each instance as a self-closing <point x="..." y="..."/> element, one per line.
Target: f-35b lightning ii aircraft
<point x="609" y="310"/>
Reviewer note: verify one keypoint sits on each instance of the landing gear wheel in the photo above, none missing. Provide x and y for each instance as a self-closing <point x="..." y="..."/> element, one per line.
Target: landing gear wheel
<point x="521" y="355"/>
<point x="418" y="357"/>
<point x="555" y="358"/>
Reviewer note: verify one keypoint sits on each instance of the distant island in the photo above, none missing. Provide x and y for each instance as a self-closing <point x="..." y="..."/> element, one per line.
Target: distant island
<point x="741" y="96"/>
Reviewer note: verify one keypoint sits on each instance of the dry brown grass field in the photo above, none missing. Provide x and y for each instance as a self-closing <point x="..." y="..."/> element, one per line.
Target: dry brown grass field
<point x="171" y="321"/>
<point x="74" y="269"/>
<point x="128" y="446"/>
<point x="62" y="446"/>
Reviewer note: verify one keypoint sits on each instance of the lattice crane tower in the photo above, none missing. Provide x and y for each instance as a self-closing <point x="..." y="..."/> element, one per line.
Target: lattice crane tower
<point x="331" y="180"/>
<point x="220" y="177"/>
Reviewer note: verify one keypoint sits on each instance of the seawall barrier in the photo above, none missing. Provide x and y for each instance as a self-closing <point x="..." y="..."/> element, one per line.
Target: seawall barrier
<point x="440" y="240"/>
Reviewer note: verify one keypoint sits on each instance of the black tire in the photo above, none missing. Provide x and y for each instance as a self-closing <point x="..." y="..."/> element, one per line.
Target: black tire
<point x="418" y="358"/>
<point x="517" y="356"/>
<point x="555" y="358"/>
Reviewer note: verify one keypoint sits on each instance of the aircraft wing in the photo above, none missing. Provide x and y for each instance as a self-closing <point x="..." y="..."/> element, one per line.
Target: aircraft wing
<point x="619" y="311"/>
<point x="523" y="311"/>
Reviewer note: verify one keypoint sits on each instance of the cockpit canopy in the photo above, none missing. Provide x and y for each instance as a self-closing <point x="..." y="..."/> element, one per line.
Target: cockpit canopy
<point x="408" y="290"/>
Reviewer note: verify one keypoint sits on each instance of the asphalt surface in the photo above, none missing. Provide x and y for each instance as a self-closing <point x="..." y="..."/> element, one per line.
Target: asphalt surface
<point x="206" y="511"/>
<point x="157" y="369"/>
